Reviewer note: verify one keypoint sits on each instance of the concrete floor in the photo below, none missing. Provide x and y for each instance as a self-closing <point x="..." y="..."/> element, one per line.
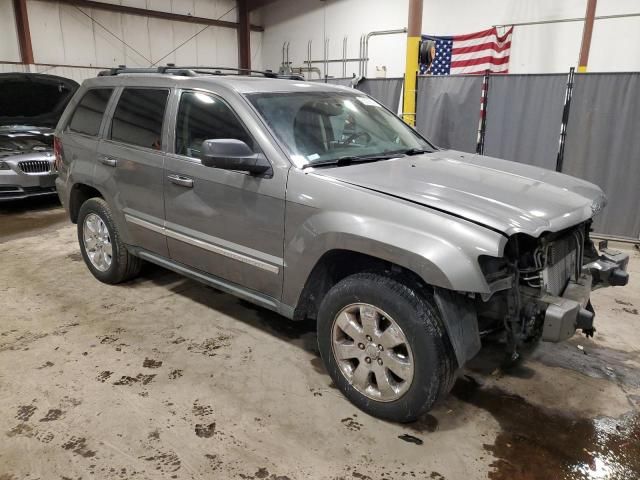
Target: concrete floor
<point x="166" y="378"/>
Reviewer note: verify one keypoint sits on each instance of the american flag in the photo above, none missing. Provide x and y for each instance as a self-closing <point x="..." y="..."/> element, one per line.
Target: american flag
<point x="471" y="53"/>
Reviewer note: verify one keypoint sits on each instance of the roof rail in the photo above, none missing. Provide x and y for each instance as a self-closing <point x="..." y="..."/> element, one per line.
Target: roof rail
<point x="192" y="71"/>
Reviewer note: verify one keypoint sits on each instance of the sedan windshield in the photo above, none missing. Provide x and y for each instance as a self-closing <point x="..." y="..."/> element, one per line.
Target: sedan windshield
<point x="320" y="127"/>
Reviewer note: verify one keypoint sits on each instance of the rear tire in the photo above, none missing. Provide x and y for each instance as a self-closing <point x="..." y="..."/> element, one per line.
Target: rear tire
<point x="423" y="355"/>
<point x="101" y="246"/>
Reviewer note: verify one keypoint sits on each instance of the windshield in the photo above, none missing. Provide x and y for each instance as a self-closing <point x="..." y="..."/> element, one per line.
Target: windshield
<point x="317" y="127"/>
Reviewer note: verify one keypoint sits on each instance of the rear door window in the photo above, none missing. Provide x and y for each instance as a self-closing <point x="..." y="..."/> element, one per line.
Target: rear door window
<point x="87" y="116"/>
<point x="138" y="117"/>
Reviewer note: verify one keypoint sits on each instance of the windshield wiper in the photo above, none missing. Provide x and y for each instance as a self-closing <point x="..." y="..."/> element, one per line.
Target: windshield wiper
<point x="415" y="151"/>
<point x="349" y="159"/>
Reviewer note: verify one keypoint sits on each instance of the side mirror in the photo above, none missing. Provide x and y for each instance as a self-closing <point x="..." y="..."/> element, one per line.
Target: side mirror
<point x="232" y="154"/>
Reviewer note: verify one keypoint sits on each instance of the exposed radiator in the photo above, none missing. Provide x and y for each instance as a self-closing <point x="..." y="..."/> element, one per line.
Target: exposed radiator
<point x="563" y="262"/>
<point x="35" y="166"/>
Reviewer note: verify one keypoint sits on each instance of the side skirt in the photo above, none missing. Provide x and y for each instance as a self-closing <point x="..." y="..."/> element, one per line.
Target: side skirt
<point x="216" y="282"/>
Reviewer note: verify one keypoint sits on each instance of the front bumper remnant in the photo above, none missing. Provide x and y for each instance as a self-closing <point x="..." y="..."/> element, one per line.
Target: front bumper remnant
<point x="610" y="269"/>
<point x="564" y="314"/>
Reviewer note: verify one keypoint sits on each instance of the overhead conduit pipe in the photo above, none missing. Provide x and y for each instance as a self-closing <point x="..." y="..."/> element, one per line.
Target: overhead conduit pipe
<point x="364" y="46"/>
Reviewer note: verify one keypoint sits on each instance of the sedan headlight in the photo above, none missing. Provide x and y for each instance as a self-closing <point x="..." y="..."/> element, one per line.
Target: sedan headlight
<point x="4" y="166"/>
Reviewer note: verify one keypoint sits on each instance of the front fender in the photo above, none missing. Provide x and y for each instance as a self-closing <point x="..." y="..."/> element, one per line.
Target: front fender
<point x="441" y="249"/>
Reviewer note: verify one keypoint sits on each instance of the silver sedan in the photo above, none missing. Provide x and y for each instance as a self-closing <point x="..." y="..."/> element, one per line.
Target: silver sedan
<point x="26" y="162"/>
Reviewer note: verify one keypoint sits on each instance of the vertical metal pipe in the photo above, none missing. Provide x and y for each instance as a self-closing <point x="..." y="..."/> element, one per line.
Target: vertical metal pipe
<point x="326" y="56"/>
<point x="587" y="31"/>
<point x="365" y="55"/>
<point x="344" y="57"/>
<point x="414" y="31"/>
<point x="309" y="55"/>
<point x="361" y="55"/>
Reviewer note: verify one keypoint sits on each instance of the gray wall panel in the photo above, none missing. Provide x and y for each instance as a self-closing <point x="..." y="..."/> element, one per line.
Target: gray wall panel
<point x="524" y="115"/>
<point x="448" y="110"/>
<point x="603" y="145"/>
<point x="386" y="90"/>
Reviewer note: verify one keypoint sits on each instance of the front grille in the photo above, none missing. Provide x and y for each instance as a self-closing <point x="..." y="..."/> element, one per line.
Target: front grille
<point x="563" y="262"/>
<point x="35" y="166"/>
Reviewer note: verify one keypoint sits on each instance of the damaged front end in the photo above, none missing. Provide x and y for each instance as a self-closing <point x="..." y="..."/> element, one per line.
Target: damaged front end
<point x="540" y="288"/>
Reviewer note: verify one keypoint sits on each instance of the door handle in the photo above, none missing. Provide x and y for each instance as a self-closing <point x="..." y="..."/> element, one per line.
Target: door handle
<point x="108" y="161"/>
<point x="180" y="180"/>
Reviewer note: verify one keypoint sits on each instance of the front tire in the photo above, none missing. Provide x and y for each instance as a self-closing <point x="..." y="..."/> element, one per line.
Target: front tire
<point x="385" y="347"/>
<point x="102" y="249"/>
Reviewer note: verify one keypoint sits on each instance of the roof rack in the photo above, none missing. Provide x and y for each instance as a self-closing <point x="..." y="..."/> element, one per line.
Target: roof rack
<point x="193" y="71"/>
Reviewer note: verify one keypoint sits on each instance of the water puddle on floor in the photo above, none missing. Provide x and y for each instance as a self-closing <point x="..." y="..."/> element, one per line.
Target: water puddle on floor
<point x="537" y="444"/>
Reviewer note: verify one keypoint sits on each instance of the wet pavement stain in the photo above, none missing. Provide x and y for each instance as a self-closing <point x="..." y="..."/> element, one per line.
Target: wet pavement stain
<point x="75" y="257"/>
<point x="410" y="439"/>
<point x="205" y="431"/>
<point x="540" y="444"/>
<point x="25" y="412"/>
<point x="150" y="363"/>
<point x="125" y="380"/>
<point x="78" y="445"/>
<point x="22" y="429"/>
<point x="351" y="424"/>
<point x="210" y="346"/>
<point x="607" y="363"/>
<point x="427" y="423"/>
<point x="104" y="376"/>
<point x="53" y="414"/>
<point x="145" y="379"/>
<point x="201" y="410"/>
<point x="165" y="462"/>
<point x="622" y="302"/>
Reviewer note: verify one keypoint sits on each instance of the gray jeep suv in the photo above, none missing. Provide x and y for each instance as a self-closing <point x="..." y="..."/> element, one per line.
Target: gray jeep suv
<point x="318" y="203"/>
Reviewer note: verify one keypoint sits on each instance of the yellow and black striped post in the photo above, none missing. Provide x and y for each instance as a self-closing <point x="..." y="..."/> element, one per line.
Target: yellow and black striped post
<point x="414" y="32"/>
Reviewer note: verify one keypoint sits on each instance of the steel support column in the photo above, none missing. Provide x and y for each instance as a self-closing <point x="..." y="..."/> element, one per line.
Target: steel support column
<point x="22" y="27"/>
<point x="414" y="33"/>
<point x="244" y="35"/>
<point x="586" y="36"/>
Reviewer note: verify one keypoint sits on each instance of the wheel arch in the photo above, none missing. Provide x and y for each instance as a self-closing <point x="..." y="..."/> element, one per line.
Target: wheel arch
<point x="457" y="310"/>
<point x="339" y="263"/>
<point x="80" y="193"/>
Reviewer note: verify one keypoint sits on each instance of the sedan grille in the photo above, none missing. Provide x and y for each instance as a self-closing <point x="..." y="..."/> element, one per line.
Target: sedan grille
<point x="35" y="166"/>
<point x="564" y="262"/>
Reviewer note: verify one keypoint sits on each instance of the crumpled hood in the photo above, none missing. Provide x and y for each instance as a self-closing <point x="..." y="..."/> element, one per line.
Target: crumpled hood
<point x="502" y="195"/>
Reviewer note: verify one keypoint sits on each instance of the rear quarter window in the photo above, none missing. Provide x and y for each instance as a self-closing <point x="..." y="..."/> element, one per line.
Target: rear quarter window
<point x="87" y="116"/>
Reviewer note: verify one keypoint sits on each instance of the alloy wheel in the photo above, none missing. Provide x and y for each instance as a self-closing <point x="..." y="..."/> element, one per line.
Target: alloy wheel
<point x="372" y="352"/>
<point x="97" y="242"/>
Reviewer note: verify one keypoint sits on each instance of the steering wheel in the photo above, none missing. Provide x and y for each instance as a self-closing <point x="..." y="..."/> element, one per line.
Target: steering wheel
<point x="354" y="136"/>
